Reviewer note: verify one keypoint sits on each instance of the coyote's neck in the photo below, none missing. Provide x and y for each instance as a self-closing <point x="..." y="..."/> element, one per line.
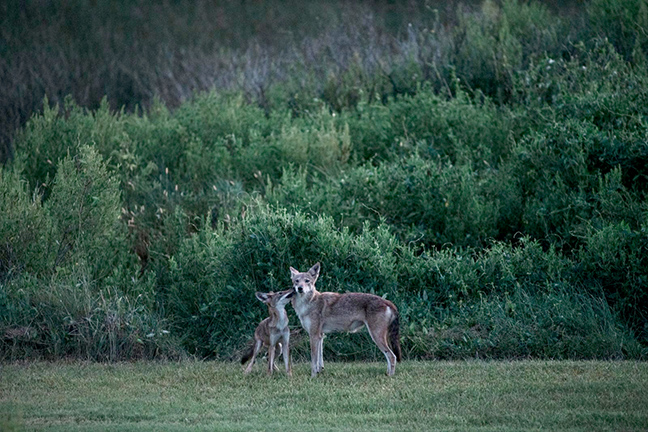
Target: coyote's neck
<point x="278" y="317"/>
<point x="302" y="302"/>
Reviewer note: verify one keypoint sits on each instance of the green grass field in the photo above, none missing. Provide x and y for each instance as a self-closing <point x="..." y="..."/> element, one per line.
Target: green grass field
<point x="188" y="396"/>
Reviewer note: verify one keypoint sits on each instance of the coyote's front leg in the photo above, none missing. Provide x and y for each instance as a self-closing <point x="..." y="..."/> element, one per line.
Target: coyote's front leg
<point x="271" y="358"/>
<point x="286" y="353"/>
<point x="316" y="345"/>
<point x="320" y="351"/>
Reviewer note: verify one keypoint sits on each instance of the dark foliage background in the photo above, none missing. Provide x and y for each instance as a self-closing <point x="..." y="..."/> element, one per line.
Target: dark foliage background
<point x="482" y="165"/>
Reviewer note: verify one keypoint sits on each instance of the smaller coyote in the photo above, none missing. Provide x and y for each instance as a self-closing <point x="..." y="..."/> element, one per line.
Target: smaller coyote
<point x="272" y="331"/>
<point x="326" y="312"/>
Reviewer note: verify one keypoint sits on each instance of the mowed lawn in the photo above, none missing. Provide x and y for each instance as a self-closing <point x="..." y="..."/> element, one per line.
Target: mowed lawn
<point x="216" y="396"/>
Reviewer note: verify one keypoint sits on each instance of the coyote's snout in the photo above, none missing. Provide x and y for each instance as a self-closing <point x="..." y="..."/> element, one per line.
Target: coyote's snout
<point x="328" y="312"/>
<point x="272" y="332"/>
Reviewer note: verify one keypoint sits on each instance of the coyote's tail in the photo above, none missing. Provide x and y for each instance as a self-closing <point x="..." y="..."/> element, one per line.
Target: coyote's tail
<point x="394" y="338"/>
<point x="247" y="355"/>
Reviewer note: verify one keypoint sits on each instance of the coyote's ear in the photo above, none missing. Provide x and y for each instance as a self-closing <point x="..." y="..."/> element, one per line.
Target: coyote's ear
<point x="262" y="296"/>
<point x="293" y="272"/>
<point x="314" y="272"/>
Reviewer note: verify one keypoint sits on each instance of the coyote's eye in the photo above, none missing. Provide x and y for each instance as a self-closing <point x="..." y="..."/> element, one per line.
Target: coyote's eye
<point x="307" y="281"/>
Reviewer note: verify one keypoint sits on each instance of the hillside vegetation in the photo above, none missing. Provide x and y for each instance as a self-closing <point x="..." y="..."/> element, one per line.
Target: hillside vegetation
<point x="485" y="169"/>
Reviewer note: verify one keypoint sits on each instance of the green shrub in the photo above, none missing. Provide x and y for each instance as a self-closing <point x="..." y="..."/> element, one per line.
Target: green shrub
<point x="492" y="45"/>
<point x="460" y="129"/>
<point x="24" y="227"/>
<point x="85" y="211"/>
<point x="508" y="303"/>
<point x="556" y="324"/>
<point x="215" y="273"/>
<point x="424" y="200"/>
<point x="59" y="132"/>
<point x="613" y="258"/>
<point x="79" y="224"/>
<point x="560" y="176"/>
<point x="623" y="22"/>
<point x="451" y="276"/>
<point x="595" y="87"/>
<point x="315" y="142"/>
<point x="71" y="316"/>
<point x="71" y="290"/>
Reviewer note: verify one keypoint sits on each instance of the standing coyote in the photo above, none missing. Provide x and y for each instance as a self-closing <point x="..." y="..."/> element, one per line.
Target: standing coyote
<point x="328" y="312"/>
<point x="272" y="331"/>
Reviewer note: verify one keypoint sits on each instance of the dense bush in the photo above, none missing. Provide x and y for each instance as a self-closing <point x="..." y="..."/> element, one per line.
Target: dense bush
<point x="487" y="173"/>
<point x="460" y="129"/>
<point x="559" y="324"/>
<point x="502" y="39"/>
<point x="624" y="24"/>
<point x="425" y="201"/>
<point x="215" y="273"/>
<point x="67" y="276"/>
<point x="505" y="302"/>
